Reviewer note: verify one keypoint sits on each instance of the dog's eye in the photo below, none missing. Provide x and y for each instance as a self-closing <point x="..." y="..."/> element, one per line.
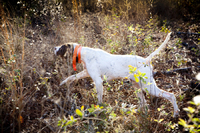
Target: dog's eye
<point x="54" y="48"/>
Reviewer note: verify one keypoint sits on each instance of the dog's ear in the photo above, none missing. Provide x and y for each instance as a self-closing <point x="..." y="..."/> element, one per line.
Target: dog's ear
<point x="62" y="50"/>
<point x="69" y="50"/>
<point x="69" y="45"/>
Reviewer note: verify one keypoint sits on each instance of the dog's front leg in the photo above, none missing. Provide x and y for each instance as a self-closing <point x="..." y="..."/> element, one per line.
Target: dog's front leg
<point x="78" y="76"/>
<point x="140" y="95"/>
<point x="141" y="98"/>
<point x="95" y="74"/>
<point x="99" y="87"/>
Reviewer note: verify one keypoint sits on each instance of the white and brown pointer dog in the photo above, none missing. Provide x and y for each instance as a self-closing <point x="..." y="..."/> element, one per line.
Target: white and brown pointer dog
<point x="98" y="63"/>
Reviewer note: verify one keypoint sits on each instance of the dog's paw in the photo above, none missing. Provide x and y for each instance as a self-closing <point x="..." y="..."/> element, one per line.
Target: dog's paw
<point x="65" y="81"/>
<point x="68" y="80"/>
<point x="61" y="84"/>
<point x="176" y="113"/>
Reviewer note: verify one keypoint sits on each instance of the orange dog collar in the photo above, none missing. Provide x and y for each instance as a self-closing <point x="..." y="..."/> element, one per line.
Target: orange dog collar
<point x="79" y="54"/>
<point x="77" y="48"/>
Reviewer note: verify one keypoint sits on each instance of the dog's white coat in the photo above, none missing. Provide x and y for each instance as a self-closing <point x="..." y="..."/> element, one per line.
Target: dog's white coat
<point x="98" y="63"/>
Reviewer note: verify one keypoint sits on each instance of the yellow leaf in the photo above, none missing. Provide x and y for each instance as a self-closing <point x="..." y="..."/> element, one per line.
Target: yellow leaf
<point x="189" y="109"/>
<point x="189" y="126"/>
<point x="130" y="66"/>
<point x="149" y="83"/>
<point x="133" y="111"/>
<point x="135" y="75"/>
<point x="134" y="69"/>
<point x="97" y="106"/>
<point x="79" y="113"/>
<point x="139" y="73"/>
<point x="82" y="108"/>
<point x="182" y="122"/>
<point x="71" y="117"/>
<point x="136" y="79"/>
<point x="172" y="126"/>
<point x="160" y="120"/>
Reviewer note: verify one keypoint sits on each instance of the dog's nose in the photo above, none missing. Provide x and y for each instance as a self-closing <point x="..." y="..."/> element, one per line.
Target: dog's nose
<point x="55" y="50"/>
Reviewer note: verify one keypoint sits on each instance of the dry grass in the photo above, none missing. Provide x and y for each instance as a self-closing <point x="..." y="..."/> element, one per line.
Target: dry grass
<point x="32" y="101"/>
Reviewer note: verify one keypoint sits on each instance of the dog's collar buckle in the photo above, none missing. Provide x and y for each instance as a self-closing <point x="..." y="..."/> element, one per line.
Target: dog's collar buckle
<point x="77" y="48"/>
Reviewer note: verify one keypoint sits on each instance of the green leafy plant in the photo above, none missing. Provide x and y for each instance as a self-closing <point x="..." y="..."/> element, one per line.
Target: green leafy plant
<point x="106" y="83"/>
<point x="139" y="76"/>
<point x="106" y="117"/>
<point x="193" y="123"/>
<point x="164" y="27"/>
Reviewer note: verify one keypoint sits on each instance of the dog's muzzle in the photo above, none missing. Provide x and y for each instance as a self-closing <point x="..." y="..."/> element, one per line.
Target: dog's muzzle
<point x="56" y="50"/>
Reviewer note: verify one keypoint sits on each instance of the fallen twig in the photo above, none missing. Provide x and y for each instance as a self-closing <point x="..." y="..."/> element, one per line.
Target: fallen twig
<point x="178" y="70"/>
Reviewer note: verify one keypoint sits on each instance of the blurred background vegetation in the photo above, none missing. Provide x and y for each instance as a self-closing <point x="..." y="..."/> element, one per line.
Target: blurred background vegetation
<point x="38" y="10"/>
<point x="31" y="99"/>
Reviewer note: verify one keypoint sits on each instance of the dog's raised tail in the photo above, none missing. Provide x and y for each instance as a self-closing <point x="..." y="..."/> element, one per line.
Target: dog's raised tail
<point x="162" y="46"/>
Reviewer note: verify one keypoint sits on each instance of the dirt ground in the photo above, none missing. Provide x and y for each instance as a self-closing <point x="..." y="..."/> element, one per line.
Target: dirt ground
<point x="45" y="102"/>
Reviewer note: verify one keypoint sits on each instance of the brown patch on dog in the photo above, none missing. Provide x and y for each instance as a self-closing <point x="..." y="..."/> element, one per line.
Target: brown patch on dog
<point x="70" y="50"/>
<point x="66" y="51"/>
<point x="62" y="50"/>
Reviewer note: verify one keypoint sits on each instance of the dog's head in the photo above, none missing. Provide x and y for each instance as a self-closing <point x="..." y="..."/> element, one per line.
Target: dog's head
<point x="64" y="50"/>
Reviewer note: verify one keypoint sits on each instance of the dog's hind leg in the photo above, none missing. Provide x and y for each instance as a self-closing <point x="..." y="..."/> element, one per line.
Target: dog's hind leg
<point x="78" y="76"/>
<point x="154" y="90"/>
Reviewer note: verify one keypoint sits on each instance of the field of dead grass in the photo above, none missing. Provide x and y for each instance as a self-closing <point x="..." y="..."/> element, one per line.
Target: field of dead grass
<point x="32" y="100"/>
